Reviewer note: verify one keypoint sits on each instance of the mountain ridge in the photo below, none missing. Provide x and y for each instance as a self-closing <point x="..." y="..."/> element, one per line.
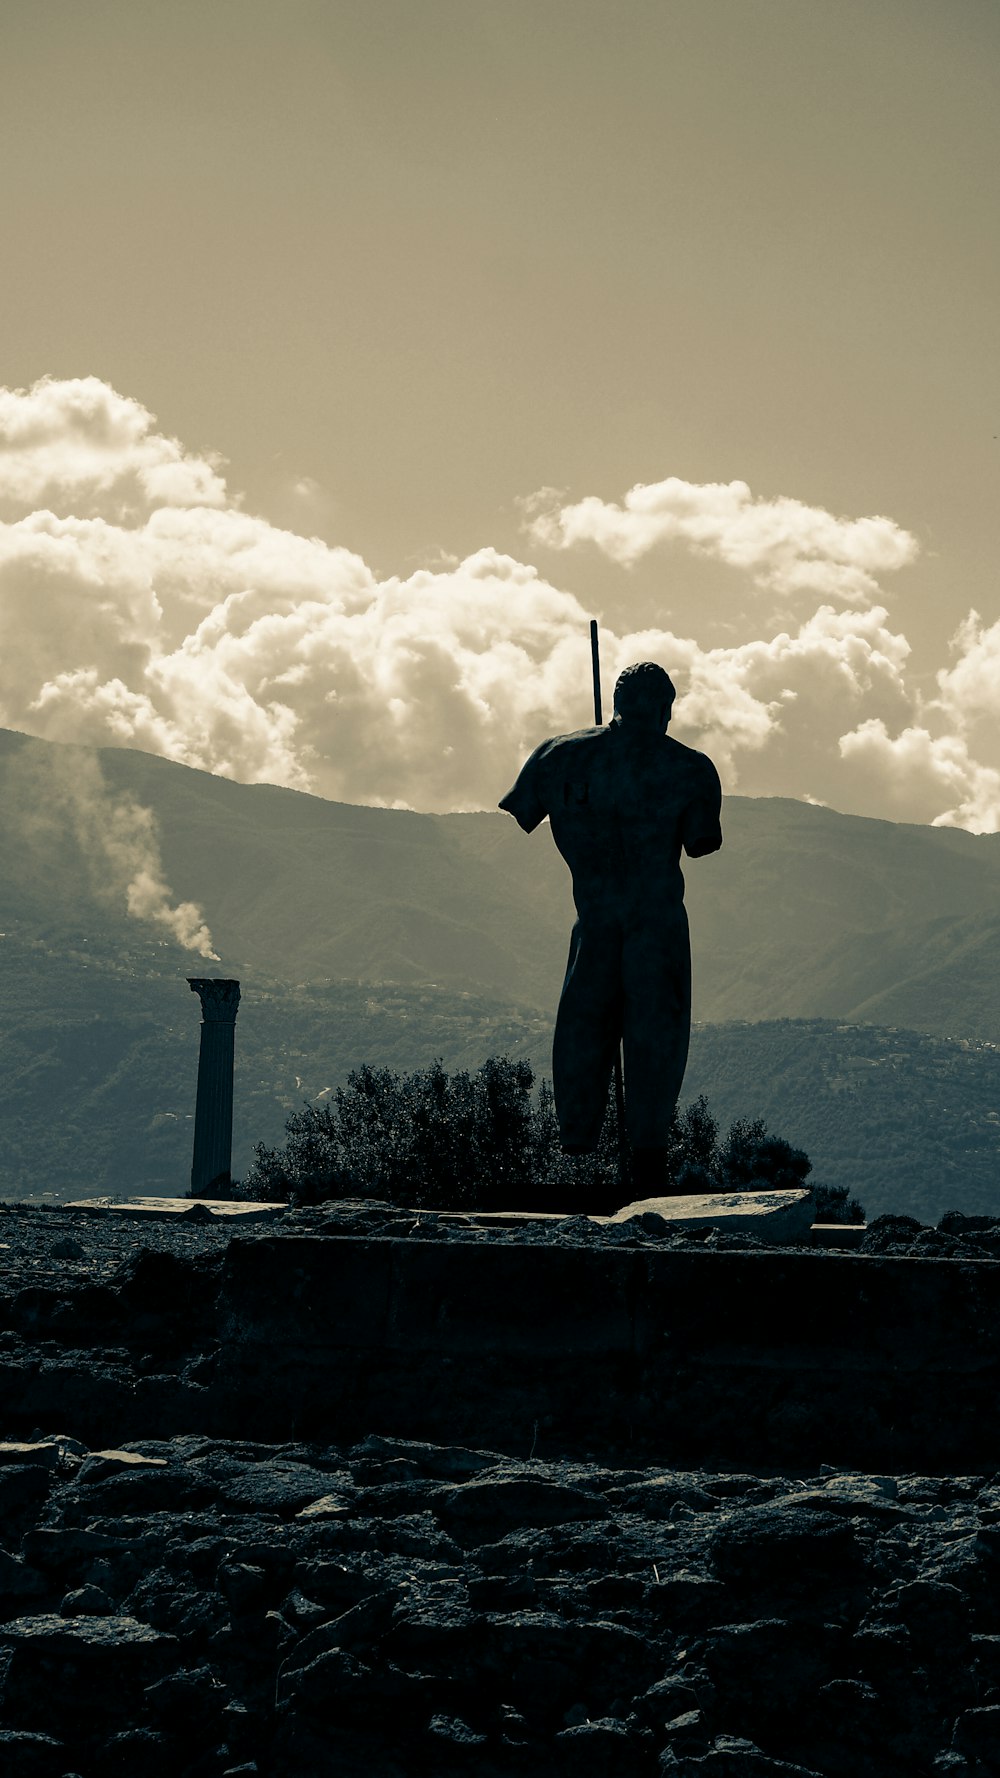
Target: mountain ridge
<point x="387" y="936"/>
<point x="806" y="912"/>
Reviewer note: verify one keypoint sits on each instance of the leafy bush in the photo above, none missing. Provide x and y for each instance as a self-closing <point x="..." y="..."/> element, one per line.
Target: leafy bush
<point x="432" y="1140"/>
<point x="423" y="1139"/>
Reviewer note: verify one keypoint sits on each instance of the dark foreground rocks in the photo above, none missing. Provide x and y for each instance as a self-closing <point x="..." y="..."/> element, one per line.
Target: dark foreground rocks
<point x="185" y="1589"/>
<point x="203" y="1606"/>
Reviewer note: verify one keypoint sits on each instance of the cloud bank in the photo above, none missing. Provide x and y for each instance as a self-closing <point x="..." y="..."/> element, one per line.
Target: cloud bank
<point x="141" y="606"/>
<point x="781" y="543"/>
<point x="80" y="439"/>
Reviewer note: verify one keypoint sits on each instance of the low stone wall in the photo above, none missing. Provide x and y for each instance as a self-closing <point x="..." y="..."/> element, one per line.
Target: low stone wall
<point x="750" y="1357"/>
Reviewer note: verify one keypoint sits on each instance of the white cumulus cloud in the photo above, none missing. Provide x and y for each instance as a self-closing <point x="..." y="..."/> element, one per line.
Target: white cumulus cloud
<point x="931" y="769"/>
<point x="78" y="441"/>
<point x="912" y="773"/>
<point x="970" y="690"/>
<point x="782" y="543"/>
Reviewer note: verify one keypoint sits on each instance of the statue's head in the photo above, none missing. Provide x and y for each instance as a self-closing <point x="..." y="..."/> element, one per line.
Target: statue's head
<point x="644" y="696"/>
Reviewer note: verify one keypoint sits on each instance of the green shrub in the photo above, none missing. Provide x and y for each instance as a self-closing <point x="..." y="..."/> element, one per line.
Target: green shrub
<point x="426" y="1139"/>
<point x="486" y="1140"/>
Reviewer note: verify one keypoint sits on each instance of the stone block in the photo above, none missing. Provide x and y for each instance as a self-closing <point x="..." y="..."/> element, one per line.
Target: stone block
<point x="100" y="1464"/>
<point x="78" y="1670"/>
<point x="773" y="1216"/>
<point x="293" y="1291"/>
<point x="45" y="1452"/>
<point x="178" y="1209"/>
<point x="551" y="1301"/>
<point x="847" y="1235"/>
<point x="473" y="1340"/>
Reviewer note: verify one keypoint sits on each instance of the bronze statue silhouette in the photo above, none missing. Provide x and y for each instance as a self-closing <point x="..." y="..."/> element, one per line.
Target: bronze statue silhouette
<point x="622" y="801"/>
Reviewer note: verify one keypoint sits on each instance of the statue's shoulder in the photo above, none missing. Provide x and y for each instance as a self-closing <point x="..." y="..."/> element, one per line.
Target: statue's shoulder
<point x="579" y="737"/>
<point x="681" y="754"/>
<point x="581" y="742"/>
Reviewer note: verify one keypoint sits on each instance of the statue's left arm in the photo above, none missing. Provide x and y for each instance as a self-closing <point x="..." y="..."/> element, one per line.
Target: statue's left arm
<point x="701" y="822"/>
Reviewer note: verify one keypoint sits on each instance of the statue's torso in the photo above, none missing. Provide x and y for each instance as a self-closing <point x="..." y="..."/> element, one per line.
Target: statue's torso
<point x="621" y="805"/>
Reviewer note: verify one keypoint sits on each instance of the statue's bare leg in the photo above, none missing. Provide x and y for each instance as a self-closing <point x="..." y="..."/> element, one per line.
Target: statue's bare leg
<point x="656" y="978"/>
<point x="587" y="1033"/>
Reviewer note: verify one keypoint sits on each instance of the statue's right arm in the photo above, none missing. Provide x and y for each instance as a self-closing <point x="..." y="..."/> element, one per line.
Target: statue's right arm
<point x="523" y="800"/>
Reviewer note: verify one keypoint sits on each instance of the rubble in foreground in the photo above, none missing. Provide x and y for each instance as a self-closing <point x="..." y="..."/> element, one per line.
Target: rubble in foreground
<point x="195" y="1606"/>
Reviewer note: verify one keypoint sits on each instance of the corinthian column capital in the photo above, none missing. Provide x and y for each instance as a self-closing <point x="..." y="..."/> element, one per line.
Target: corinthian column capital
<point x="219" y="998"/>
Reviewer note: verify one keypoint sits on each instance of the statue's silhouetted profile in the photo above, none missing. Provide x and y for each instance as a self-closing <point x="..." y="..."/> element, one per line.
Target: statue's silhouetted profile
<point x="622" y="801"/>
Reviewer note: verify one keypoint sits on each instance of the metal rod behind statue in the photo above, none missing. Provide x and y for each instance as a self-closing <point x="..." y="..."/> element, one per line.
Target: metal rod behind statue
<point x="623" y="1168"/>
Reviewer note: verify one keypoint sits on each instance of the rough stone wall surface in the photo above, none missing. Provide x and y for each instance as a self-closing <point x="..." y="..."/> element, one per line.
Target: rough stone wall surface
<point x="642" y="1347"/>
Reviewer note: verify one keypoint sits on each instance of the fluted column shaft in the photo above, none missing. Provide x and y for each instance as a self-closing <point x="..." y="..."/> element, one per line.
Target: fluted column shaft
<point x="212" y="1162"/>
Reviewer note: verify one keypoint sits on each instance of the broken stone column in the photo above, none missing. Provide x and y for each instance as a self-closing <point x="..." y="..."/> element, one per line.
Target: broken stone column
<point x="211" y="1167"/>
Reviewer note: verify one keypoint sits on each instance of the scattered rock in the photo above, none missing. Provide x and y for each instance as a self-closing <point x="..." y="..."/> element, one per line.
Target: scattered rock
<point x="891" y="1234"/>
<point x="785" y="1543"/>
<point x="502" y="1503"/>
<point x="17" y="1581"/>
<point x="605" y="1748"/>
<point x="67" y="1248"/>
<point x="280" y="1485"/>
<point x="771" y="1670"/>
<point x="80" y="1670"/>
<point x="87" y="1602"/>
<point x="28" y="1755"/>
<point x="45" y="1452"/>
<point x="731" y="1756"/>
<point x="207" y="1605"/>
<point x="977" y="1734"/>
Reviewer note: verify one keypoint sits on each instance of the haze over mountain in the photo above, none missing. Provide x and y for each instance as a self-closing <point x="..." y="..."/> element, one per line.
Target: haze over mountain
<point x="805" y="915"/>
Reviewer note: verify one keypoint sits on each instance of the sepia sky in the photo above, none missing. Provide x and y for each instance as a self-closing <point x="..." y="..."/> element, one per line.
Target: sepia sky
<point x="355" y="352"/>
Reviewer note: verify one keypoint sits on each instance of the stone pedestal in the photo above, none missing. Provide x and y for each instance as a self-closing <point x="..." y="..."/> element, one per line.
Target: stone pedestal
<point x="213" y="1117"/>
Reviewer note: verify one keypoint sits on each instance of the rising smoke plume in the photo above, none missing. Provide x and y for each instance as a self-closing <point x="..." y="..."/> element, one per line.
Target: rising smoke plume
<point x="118" y="843"/>
<point x="123" y="847"/>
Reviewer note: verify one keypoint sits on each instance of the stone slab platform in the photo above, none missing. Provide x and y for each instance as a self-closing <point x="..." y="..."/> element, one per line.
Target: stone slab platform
<point x="777" y="1217"/>
<point x="819" y="1234"/>
<point x="774" y="1216"/>
<point x="178" y="1209"/>
<point x="838" y="1234"/>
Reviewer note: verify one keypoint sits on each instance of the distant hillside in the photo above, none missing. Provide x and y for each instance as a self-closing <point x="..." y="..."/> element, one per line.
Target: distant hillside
<point x="809" y="924"/>
<point x="804" y="914"/>
<point x="99" y="1059"/>
<point x="99" y="1055"/>
<point x="908" y="1122"/>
